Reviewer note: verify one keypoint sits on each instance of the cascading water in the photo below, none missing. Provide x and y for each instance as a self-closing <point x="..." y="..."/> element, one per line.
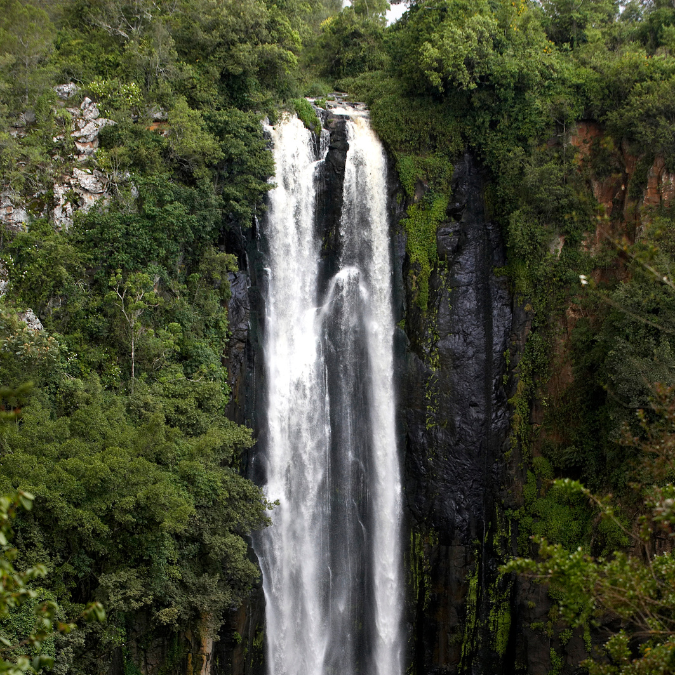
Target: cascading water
<point x="331" y="558"/>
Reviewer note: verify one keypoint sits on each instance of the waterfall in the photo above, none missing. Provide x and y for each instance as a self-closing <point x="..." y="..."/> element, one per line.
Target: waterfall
<point x="331" y="558"/>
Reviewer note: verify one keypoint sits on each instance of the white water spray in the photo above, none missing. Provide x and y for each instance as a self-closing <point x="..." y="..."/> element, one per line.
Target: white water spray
<point x="331" y="559"/>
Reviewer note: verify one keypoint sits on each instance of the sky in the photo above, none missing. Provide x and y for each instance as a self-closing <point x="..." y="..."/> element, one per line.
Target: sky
<point x="394" y="14"/>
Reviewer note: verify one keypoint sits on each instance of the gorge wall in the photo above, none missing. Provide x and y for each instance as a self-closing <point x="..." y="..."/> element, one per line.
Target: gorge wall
<point x="457" y="366"/>
<point x="456" y="420"/>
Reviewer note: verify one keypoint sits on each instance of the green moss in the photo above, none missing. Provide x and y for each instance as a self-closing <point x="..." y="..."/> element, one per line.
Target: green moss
<point x="557" y="663"/>
<point x="530" y="489"/>
<point x="307" y="115"/>
<point x="542" y="468"/>
<point x="471" y="621"/>
<point x="420" y="564"/>
<point x="507" y="365"/>
<point x="130" y="668"/>
<point x="431" y="386"/>
<point x="420" y="226"/>
<point x="499" y="592"/>
<point x="433" y="171"/>
<point x="174" y="656"/>
<point x="565" y="636"/>
<point x="588" y="642"/>
<point x="257" y="653"/>
<point x="521" y="430"/>
<point x="500" y="625"/>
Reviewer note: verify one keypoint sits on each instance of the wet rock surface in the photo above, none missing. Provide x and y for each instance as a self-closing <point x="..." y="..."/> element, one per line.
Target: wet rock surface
<point x="239" y="311"/>
<point x="456" y="421"/>
<point x="456" y="411"/>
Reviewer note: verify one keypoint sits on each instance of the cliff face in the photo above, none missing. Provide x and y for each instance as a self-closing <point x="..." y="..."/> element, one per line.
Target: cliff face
<point x="453" y="421"/>
<point x="455" y="417"/>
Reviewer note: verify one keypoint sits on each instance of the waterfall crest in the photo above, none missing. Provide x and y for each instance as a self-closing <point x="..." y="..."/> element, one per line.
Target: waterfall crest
<point x="331" y="560"/>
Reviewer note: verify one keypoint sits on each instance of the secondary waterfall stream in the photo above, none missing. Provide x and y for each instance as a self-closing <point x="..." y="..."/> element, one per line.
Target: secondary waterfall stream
<point x="331" y="559"/>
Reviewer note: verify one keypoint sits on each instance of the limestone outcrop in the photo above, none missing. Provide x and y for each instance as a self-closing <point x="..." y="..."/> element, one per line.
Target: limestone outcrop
<point x="79" y="189"/>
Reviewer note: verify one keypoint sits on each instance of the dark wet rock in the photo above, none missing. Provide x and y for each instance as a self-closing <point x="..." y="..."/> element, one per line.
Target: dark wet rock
<point x="456" y="419"/>
<point x="238" y="310"/>
<point x="456" y="412"/>
<point x="329" y="198"/>
<point x="448" y="240"/>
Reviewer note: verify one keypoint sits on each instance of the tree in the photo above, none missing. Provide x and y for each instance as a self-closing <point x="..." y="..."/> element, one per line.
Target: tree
<point x="15" y="591"/>
<point x="371" y="8"/>
<point x="16" y="585"/>
<point x="638" y="588"/>
<point x="145" y="494"/>
<point x="132" y="297"/>
<point x="351" y="43"/>
<point x="26" y="37"/>
<point x="566" y="21"/>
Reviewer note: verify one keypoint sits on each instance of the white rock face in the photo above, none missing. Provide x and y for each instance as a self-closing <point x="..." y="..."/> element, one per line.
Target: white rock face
<point x="87" y="134"/>
<point x="91" y="182"/>
<point x="88" y="124"/>
<point x="12" y="213"/>
<point x="89" y="109"/>
<point x="29" y="318"/>
<point x="89" y="188"/>
<point x="4" y="280"/>
<point x="66" y="91"/>
<point x="83" y="188"/>
<point x="63" y="211"/>
<point x="158" y="114"/>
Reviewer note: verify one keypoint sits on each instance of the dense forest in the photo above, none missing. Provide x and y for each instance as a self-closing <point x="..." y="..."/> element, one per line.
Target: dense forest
<point x="132" y="155"/>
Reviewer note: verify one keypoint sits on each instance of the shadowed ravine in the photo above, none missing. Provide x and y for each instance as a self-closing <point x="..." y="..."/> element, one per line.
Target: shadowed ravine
<point x="331" y="560"/>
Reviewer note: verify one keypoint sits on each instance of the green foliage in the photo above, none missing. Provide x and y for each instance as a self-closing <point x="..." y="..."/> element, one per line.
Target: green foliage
<point x="129" y="372"/>
<point x="647" y="118"/>
<point x="572" y="23"/>
<point x="189" y="141"/>
<point x="420" y="226"/>
<point x="460" y="54"/>
<point x="124" y="439"/>
<point x="139" y="495"/>
<point x="26" y="38"/>
<point x="351" y="43"/>
<point x="510" y="81"/>
<point x="307" y="115"/>
<point x="241" y="173"/>
<point x="635" y="587"/>
<point x="422" y="129"/>
<point x="124" y="484"/>
<point x="132" y="297"/>
<point x="29" y="616"/>
<point x="42" y="265"/>
<point x="114" y="96"/>
<point x="166" y="222"/>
